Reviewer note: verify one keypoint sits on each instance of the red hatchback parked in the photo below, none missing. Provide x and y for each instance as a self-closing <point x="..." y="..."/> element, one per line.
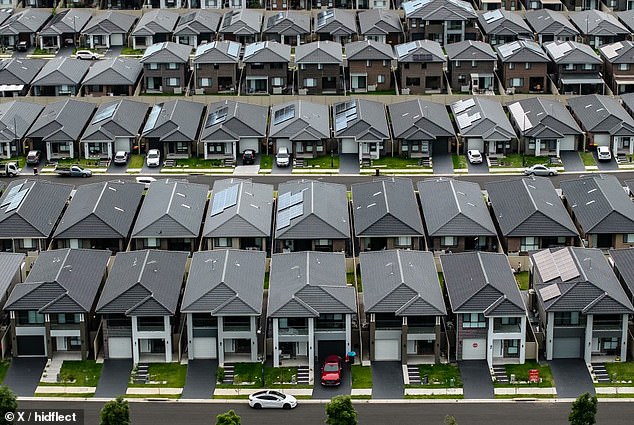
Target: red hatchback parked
<point x="331" y="371"/>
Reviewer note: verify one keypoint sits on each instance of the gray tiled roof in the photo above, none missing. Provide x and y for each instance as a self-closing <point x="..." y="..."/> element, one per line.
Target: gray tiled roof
<point x="36" y="215"/>
<point x="218" y="52"/>
<point x="171" y="209"/>
<point x="103" y="210"/>
<point x="481" y="282"/>
<point x="379" y="22"/>
<point x="113" y="72"/>
<point x="110" y="22"/>
<point x="16" y="117"/>
<point x="266" y="52"/>
<point x="627" y="99"/>
<point x="310" y="122"/>
<point x="595" y="289"/>
<point x="242" y="120"/>
<point x="619" y="52"/>
<point x="61" y="70"/>
<point x="602" y="114"/>
<point x="470" y="50"/>
<point x="386" y="208"/>
<point x="126" y="121"/>
<point x="401" y="282"/>
<point x="428" y="50"/>
<point x="324" y="214"/>
<point x="251" y="216"/>
<point x="485" y="119"/>
<point x="64" y="120"/>
<point x="599" y="204"/>
<point x="202" y="21"/>
<point x="167" y="52"/>
<point x="242" y="22"/>
<point x="61" y="281"/>
<point x="67" y="21"/>
<point x="550" y="22"/>
<point x="543" y="118"/>
<point x="522" y="51"/>
<point x="626" y="17"/>
<point x="596" y="22"/>
<point x="503" y="22"/>
<point x="624" y="264"/>
<point x="335" y="22"/>
<point x="370" y="122"/>
<point x="327" y="52"/>
<point x="369" y="50"/>
<point x="571" y="52"/>
<point x="420" y="120"/>
<point x="439" y="10"/>
<point x="529" y="207"/>
<point x="10" y="264"/>
<point x="308" y="284"/>
<point x="178" y="120"/>
<point x="20" y="71"/>
<point x="25" y="21"/>
<point x="454" y="208"/>
<point x="159" y="21"/>
<point x="227" y="282"/>
<point x="143" y="283"/>
<point x="288" y="23"/>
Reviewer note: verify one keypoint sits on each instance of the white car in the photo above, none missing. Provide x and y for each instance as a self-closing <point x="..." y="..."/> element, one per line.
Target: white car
<point x="270" y="399"/>
<point x="145" y="180"/>
<point x="540" y="170"/>
<point x="153" y="158"/>
<point x="87" y="54"/>
<point x="121" y="158"/>
<point x="474" y="156"/>
<point x="603" y="153"/>
<point x="283" y="158"/>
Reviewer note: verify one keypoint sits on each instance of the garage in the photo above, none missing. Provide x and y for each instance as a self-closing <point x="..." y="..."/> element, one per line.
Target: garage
<point x="31" y="345"/>
<point x="601" y="140"/>
<point x="116" y="39"/>
<point x="567" y="348"/>
<point x="205" y="348"/>
<point x="387" y="349"/>
<point x="349" y="146"/>
<point x="119" y="348"/>
<point x="474" y="349"/>
<point x="122" y="144"/>
<point x="475" y="144"/>
<point x="326" y="348"/>
<point x="279" y="143"/>
<point x="250" y="143"/>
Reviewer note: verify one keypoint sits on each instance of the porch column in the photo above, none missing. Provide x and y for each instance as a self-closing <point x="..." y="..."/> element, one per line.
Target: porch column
<point x="221" y="342"/>
<point x="538" y="147"/>
<point x="372" y="335"/>
<point x="463" y="32"/>
<point x="404" y="341"/>
<point x="190" y="337"/>
<point x="558" y="146"/>
<point x="311" y="350"/>
<point x="615" y="145"/>
<point x="254" y="339"/>
<point x="59" y="42"/>
<point x="550" y="327"/>
<point x="135" y="341"/>
<point x="234" y="146"/>
<point x="624" y="338"/>
<point x="49" y="340"/>
<point x="276" y="343"/>
<point x="83" y="336"/>
<point x="48" y="150"/>
<point x="72" y="149"/>
<point x="91" y="41"/>
<point x="437" y="341"/>
<point x="523" y="340"/>
<point x="168" y="339"/>
<point x="490" y="342"/>
<point x="587" y="352"/>
<point x="348" y="332"/>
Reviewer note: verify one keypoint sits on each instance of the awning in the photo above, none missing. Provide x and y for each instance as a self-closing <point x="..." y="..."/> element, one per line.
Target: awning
<point x="550" y="2"/>
<point x="582" y="80"/>
<point x="11" y="87"/>
<point x="624" y="82"/>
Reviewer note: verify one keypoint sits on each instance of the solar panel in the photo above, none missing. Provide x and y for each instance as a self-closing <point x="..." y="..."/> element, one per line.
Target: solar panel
<point x="284" y="114"/>
<point x="463" y="120"/>
<point x="151" y="121"/>
<point x="296" y="211"/>
<point x="284" y="201"/>
<point x="218" y="205"/>
<point x="17" y="200"/>
<point x="565" y="264"/>
<point x="324" y="17"/>
<point x="233" y="49"/>
<point x="217" y="117"/>
<point x="105" y="113"/>
<point x="340" y="122"/>
<point x="463" y="105"/>
<point x="11" y="194"/>
<point x="283" y="219"/>
<point x="493" y="16"/>
<point x="253" y="48"/>
<point x="546" y="265"/>
<point x="231" y="196"/>
<point x="154" y="48"/>
<point x="549" y="292"/>
<point x="296" y="198"/>
<point x="341" y="107"/>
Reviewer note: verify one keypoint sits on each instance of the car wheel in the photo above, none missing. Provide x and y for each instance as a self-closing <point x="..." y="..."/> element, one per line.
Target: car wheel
<point x="286" y="406"/>
<point x="257" y="406"/>
<point x="551" y="174"/>
<point x="84" y="175"/>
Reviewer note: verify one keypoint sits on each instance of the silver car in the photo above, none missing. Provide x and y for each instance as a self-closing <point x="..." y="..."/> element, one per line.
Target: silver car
<point x="540" y="170"/>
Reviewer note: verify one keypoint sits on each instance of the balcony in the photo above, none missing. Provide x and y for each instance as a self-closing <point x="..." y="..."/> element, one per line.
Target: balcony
<point x="607" y="325"/>
<point x="236" y="328"/>
<point x="119" y="331"/>
<point x="302" y="330"/>
<point x="412" y="330"/>
<point x="150" y="328"/>
<point x="62" y="326"/>
<point x="500" y="328"/>
<point x="330" y="327"/>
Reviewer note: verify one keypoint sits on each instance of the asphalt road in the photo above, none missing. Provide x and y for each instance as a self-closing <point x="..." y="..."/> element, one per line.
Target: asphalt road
<point x="499" y="413"/>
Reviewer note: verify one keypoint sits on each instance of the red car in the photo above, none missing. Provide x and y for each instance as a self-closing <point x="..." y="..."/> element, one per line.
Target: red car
<point x="331" y="371"/>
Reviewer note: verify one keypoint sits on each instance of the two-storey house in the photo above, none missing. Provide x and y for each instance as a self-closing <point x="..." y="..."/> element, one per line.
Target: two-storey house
<point x="166" y="68"/>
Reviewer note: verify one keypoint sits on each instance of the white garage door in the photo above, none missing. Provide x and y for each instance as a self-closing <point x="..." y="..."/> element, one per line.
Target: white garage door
<point x="349" y="146"/>
<point x="477" y="144"/>
<point x="602" y="140"/>
<point x="205" y="348"/>
<point x="387" y="349"/>
<point x="567" y="348"/>
<point x="249" y="144"/>
<point x="474" y="349"/>
<point x="284" y="143"/>
<point x="119" y="348"/>
<point x="122" y="144"/>
<point x="116" y="40"/>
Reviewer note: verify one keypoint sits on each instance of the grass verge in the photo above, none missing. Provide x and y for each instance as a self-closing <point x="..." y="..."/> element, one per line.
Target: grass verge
<point x="77" y="395"/>
<point x="459" y="162"/>
<point x="168" y="375"/>
<point x="439" y="397"/>
<point x="511" y="396"/>
<point x="587" y="158"/>
<point x="172" y="396"/>
<point x="77" y="373"/>
<point x="361" y="376"/>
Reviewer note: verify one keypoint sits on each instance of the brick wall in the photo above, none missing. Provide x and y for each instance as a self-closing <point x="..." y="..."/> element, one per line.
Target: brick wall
<point x="465" y="69"/>
<point x="163" y="73"/>
<point x="215" y="72"/>
<point x="270" y="70"/>
<point x="421" y="71"/>
<point x="376" y="68"/>
<point x="313" y="71"/>
<point x="519" y="71"/>
<point x="467" y="333"/>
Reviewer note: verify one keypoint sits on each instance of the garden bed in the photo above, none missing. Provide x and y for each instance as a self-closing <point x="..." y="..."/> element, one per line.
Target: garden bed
<point x="439" y="376"/>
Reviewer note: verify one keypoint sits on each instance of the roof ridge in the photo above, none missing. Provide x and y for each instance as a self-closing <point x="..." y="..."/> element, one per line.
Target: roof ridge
<point x="63" y="265"/>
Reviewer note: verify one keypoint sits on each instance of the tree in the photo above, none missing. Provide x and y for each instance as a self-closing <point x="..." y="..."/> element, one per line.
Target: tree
<point x="450" y="420"/>
<point x="8" y="404"/>
<point x="584" y="410"/>
<point x="340" y="411"/>
<point x="229" y="418"/>
<point x="116" y="412"/>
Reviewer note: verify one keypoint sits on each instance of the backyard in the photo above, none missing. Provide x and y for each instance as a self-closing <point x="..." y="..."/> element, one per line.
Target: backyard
<point x="361" y="376"/>
<point x="168" y="375"/>
<point x="521" y="372"/>
<point x="441" y="375"/>
<point x="522" y="280"/>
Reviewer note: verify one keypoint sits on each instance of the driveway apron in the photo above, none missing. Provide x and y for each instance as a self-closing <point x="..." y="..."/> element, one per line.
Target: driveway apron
<point x="605" y="165"/>
<point x="325" y="393"/>
<point x="443" y="164"/>
<point x="572" y="161"/>
<point x="476" y="379"/>
<point x="24" y="374"/>
<point x="571" y="377"/>
<point x="201" y="379"/>
<point x="349" y="163"/>
<point x="114" y="379"/>
<point x="478" y="168"/>
<point x="387" y="380"/>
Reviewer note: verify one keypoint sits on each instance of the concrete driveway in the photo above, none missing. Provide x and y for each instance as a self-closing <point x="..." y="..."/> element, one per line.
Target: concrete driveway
<point x="572" y="161"/>
<point x="571" y="377"/>
<point x="114" y="379"/>
<point x="24" y="374"/>
<point x="476" y="379"/>
<point x="281" y="170"/>
<point x="442" y="163"/>
<point x="478" y="168"/>
<point x="605" y="165"/>
<point x="387" y="380"/>
<point x="349" y="163"/>
<point x="113" y="52"/>
<point x="201" y="379"/>
<point x="326" y="393"/>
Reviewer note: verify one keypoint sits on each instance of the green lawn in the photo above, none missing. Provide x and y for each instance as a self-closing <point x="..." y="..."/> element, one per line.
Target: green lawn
<point x="82" y="162"/>
<point x="136" y="161"/>
<point x="266" y="280"/>
<point x="521" y="374"/>
<point x="323" y="162"/>
<point x="168" y="375"/>
<point x="131" y="51"/>
<point x="248" y="373"/>
<point x="250" y="376"/>
<point x="620" y="371"/>
<point x="441" y="375"/>
<point x="459" y="161"/>
<point x="361" y="376"/>
<point x="77" y="373"/>
<point x="396" y="162"/>
<point x="441" y="279"/>
<point x="279" y="375"/>
<point x="4" y="366"/>
<point x="266" y="161"/>
<point x="522" y="280"/>
<point x="587" y="158"/>
<point x="40" y="52"/>
<point x="196" y="162"/>
<point x="350" y="280"/>
<point x="515" y="160"/>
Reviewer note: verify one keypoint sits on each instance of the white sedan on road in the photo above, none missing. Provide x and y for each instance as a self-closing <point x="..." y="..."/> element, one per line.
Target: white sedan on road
<point x="271" y="399"/>
<point x="87" y="54"/>
<point x="540" y="170"/>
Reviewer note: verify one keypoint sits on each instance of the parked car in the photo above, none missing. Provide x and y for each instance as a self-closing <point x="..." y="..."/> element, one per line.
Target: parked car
<point x="33" y="157"/>
<point x="72" y="171"/>
<point x="22" y="46"/>
<point x="145" y="180"/>
<point x="283" y="158"/>
<point x="540" y="170"/>
<point x="248" y="157"/>
<point x="87" y="54"/>
<point x="9" y="169"/>
<point x="121" y="158"/>
<point x="603" y="153"/>
<point x="331" y="371"/>
<point x="153" y="158"/>
<point x="474" y="156"/>
<point x="270" y="399"/>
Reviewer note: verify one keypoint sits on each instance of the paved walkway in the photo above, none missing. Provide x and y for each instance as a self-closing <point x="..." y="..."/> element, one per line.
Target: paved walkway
<point x="326" y="393"/>
<point x="387" y="380"/>
<point x="476" y="379"/>
<point x="201" y="379"/>
<point x="349" y="163"/>
<point x="571" y="377"/>
<point x="572" y="161"/>
<point x="442" y="163"/>
<point x="24" y="374"/>
<point x="114" y="379"/>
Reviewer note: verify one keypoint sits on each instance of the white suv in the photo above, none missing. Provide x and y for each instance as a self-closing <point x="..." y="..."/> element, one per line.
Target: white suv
<point x="603" y="153"/>
<point x="474" y="156"/>
<point x="283" y="158"/>
<point x="87" y="54"/>
<point x="153" y="158"/>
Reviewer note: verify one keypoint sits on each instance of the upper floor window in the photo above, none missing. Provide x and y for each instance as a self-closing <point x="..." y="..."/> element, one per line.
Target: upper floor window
<point x="473" y="320"/>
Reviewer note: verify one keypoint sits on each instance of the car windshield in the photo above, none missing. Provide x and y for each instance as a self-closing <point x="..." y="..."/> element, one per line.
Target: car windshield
<point x="475" y="154"/>
<point x="331" y="367"/>
<point x="282" y="155"/>
<point x="32" y="154"/>
<point x="152" y="155"/>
